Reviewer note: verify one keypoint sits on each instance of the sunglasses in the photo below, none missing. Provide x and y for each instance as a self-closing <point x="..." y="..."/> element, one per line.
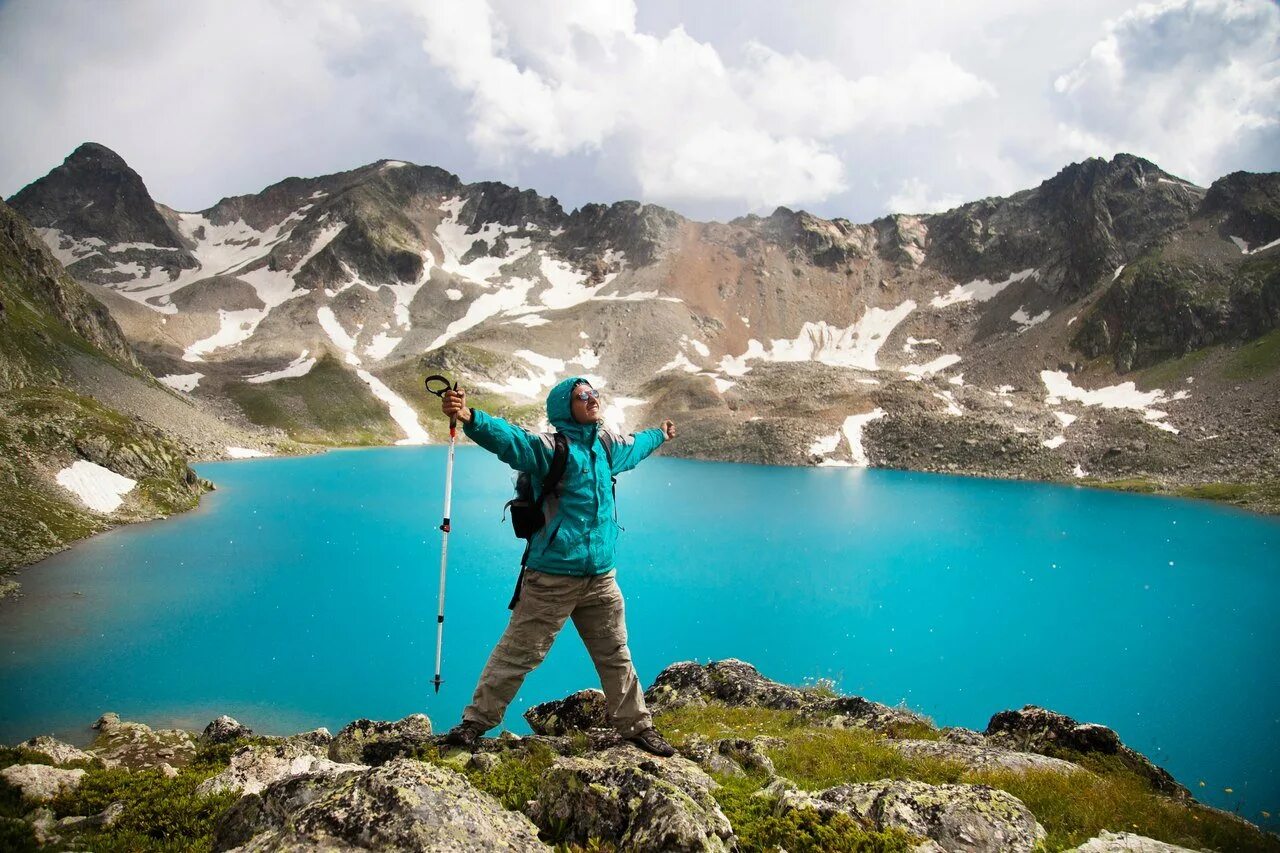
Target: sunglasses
<point x="584" y="396"/>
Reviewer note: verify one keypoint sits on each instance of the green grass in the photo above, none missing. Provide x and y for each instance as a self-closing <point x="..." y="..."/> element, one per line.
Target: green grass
<point x="1254" y="360"/>
<point x="1172" y="372"/>
<point x="759" y="827"/>
<point x="1072" y="808"/>
<point x="160" y="814"/>
<point x="328" y="406"/>
<point x="41" y="424"/>
<point x="1140" y="485"/>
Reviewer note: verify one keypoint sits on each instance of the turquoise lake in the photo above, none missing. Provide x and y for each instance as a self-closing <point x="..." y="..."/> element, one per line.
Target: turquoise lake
<point x="302" y="593"/>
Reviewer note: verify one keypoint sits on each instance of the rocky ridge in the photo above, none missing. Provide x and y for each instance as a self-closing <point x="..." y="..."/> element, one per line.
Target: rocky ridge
<point x="396" y="786"/>
<point x="997" y="338"/>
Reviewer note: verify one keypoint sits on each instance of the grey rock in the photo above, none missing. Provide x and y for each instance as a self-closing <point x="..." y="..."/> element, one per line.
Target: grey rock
<point x="401" y="805"/>
<point x="585" y="709"/>
<point x="315" y="737"/>
<point x="978" y="757"/>
<point x="957" y="734"/>
<point x="55" y="750"/>
<point x="1126" y="842"/>
<point x="253" y="768"/>
<point x="747" y="754"/>
<point x="632" y="800"/>
<point x="1036" y="729"/>
<point x="377" y="742"/>
<point x="137" y="746"/>
<point x="224" y="729"/>
<point x="84" y="823"/>
<point x="40" y="782"/>
<point x="107" y="721"/>
<point x="969" y="818"/>
<point x="737" y="683"/>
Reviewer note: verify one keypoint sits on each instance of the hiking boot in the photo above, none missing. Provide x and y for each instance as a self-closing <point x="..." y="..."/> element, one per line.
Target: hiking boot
<point x="650" y="741"/>
<point x="466" y="735"/>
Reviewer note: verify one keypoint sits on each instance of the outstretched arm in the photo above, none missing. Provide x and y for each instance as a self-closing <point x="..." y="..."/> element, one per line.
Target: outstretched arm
<point x="629" y="451"/>
<point x="519" y="448"/>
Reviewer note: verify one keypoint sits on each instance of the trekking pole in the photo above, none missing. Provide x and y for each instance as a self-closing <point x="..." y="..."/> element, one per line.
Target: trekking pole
<point x="442" y="386"/>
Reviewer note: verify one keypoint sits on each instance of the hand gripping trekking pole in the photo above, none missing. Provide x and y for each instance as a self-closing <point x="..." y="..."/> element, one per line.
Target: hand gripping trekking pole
<point x="441" y="384"/>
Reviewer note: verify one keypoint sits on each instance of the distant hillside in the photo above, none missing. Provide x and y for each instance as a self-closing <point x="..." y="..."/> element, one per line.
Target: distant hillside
<point x="77" y="458"/>
<point x="1114" y="325"/>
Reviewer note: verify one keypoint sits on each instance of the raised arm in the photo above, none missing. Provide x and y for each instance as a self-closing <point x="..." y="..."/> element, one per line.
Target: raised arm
<point x="630" y="450"/>
<point x="519" y="448"/>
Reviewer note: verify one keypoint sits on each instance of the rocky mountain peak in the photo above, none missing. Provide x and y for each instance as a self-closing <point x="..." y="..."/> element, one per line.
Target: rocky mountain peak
<point x="95" y="194"/>
<point x="1248" y="205"/>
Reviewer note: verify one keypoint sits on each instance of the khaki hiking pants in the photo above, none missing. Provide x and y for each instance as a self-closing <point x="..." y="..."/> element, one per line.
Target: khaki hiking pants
<point x="546" y="601"/>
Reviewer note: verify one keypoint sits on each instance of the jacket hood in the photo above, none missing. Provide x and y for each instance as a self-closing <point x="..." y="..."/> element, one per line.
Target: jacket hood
<point x="560" y="414"/>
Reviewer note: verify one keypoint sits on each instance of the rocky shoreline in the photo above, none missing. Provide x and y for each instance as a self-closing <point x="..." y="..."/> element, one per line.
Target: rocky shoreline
<point x="761" y="766"/>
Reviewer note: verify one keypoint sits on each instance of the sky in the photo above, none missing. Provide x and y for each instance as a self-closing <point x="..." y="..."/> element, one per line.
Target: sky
<point x="715" y="108"/>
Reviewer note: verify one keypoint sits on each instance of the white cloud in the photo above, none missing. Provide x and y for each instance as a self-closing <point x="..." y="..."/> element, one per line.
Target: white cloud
<point x="845" y="109"/>
<point x="760" y="131"/>
<point x="914" y="197"/>
<point x="1187" y="83"/>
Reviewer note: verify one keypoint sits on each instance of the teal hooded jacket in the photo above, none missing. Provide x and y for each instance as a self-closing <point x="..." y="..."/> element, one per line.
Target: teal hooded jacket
<point x="581" y="529"/>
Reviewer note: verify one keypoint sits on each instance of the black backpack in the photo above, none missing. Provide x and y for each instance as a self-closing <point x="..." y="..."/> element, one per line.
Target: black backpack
<point x="526" y="511"/>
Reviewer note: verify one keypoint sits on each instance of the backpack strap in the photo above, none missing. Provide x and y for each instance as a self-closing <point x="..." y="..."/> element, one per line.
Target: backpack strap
<point x="551" y="482"/>
<point x="606" y="441"/>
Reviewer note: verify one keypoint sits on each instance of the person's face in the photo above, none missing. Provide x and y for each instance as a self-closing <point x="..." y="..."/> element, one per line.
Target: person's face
<point x="584" y="411"/>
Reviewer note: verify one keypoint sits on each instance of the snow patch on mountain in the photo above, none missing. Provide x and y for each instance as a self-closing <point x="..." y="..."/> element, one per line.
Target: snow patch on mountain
<point x="614" y="412"/>
<point x="233" y="327"/>
<point x="568" y="286"/>
<point x="942" y="362"/>
<point x="1123" y="396"/>
<point x="543" y="372"/>
<point x="979" y="290"/>
<point x="98" y="488"/>
<point x="401" y="412"/>
<point x="953" y="408"/>
<point x="855" y="346"/>
<point x="184" y="382"/>
<point x="1245" y="250"/>
<point x="506" y="297"/>
<point x="381" y="346"/>
<point x="300" y="366"/>
<point x="455" y="242"/>
<point x="1026" y="321"/>
<point x="851" y="431"/>
<point x="334" y="329"/>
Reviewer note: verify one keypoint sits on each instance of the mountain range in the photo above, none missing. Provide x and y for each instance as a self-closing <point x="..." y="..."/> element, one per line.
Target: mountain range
<point x="1114" y="325"/>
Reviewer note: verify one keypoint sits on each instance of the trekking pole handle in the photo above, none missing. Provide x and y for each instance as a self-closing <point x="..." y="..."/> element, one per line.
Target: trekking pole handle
<point x="442" y="383"/>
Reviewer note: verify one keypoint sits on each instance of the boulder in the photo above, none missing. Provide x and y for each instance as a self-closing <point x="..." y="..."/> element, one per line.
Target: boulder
<point x="969" y="818"/>
<point x="223" y="730"/>
<point x="401" y="805"/>
<point x="579" y="711"/>
<point x="40" y="782"/>
<point x="1035" y="729"/>
<point x="958" y="734"/>
<point x="55" y="750"/>
<point x="735" y="756"/>
<point x="1126" y="842"/>
<point x="253" y="768"/>
<point x="87" y="823"/>
<point x="377" y="742"/>
<point x="737" y="683"/>
<point x="983" y="757"/>
<point x="107" y="721"/>
<point x="137" y="746"/>
<point x="632" y="800"/>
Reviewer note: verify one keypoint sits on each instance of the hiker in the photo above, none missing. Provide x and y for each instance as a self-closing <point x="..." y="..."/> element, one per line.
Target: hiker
<point x="569" y="570"/>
